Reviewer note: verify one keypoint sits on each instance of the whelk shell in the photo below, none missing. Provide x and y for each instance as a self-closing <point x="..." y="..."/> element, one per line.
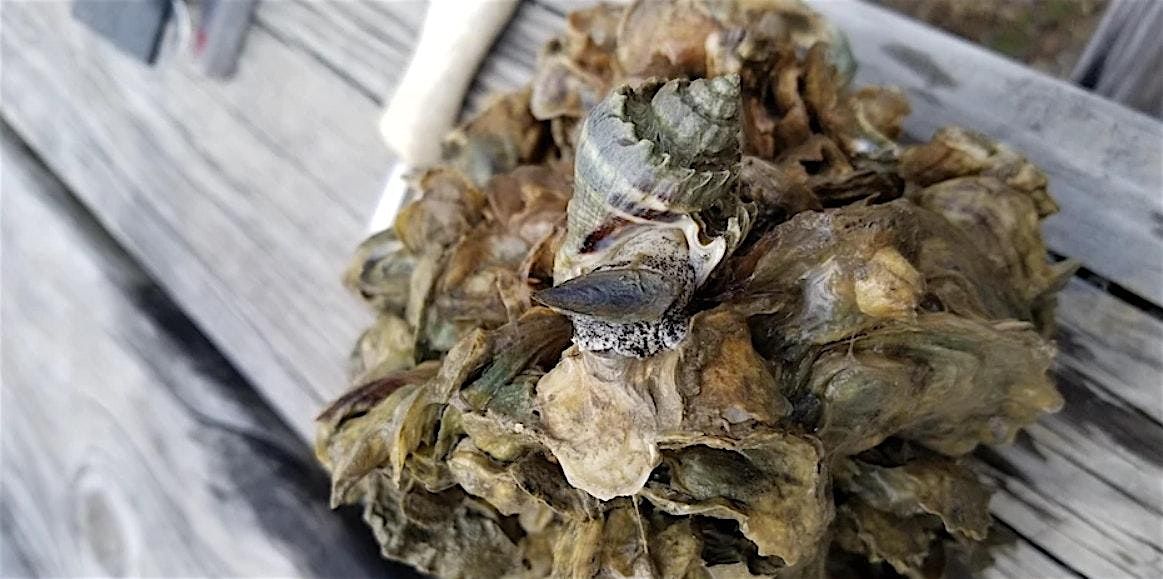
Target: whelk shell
<point x="655" y="209"/>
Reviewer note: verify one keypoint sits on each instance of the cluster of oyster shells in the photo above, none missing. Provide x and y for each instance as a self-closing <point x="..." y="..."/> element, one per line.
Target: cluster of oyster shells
<point x="684" y="307"/>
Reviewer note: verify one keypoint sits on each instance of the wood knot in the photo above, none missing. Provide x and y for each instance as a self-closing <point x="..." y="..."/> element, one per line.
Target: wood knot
<point x="99" y="523"/>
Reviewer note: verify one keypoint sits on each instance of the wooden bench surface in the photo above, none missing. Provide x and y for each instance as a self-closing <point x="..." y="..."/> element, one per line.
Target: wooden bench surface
<point x="243" y="199"/>
<point x="130" y="447"/>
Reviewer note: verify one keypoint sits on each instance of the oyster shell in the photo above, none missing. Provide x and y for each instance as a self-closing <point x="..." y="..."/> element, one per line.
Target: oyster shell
<point x="607" y="46"/>
<point x="709" y="37"/>
<point x="783" y="332"/>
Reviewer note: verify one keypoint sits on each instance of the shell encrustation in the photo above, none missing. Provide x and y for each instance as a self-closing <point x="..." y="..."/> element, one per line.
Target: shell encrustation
<point x="774" y="337"/>
<point x="655" y="209"/>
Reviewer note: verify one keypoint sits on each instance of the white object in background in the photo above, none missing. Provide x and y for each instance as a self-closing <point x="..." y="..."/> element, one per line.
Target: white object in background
<point x="391" y="200"/>
<point x="455" y="38"/>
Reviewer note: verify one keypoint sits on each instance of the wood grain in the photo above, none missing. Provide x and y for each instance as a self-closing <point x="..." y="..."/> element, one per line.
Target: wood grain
<point x="1084" y="484"/>
<point x="244" y="199"/>
<point x="1116" y="347"/>
<point x="1124" y="56"/>
<point x="130" y="446"/>
<point x="367" y="43"/>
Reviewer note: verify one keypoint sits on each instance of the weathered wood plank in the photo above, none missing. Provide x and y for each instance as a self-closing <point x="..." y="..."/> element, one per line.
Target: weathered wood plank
<point x="1124" y="56"/>
<point x="366" y="42"/>
<point x="1079" y="491"/>
<point x="1115" y="346"/>
<point x="244" y="198"/>
<point x="511" y="62"/>
<point x="130" y="446"/>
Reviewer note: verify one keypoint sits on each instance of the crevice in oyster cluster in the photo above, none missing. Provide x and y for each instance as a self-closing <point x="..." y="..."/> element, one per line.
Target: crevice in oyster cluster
<point x="683" y="307"/>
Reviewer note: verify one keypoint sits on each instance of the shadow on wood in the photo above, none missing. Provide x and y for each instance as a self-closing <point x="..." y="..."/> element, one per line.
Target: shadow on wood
<point x="131" y="446"/>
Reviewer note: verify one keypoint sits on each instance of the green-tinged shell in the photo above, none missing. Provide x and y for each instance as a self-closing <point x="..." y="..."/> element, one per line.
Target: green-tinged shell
<point x="654" y="190"/>
<point x="504" y="135"/>
<point x="929" y="484"/>
<point x="774" y="334"/>
<point x="381" y="271"/>
<point x="651" y="156"/>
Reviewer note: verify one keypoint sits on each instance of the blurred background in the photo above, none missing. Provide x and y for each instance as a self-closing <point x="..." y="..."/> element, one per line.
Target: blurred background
<point x="184" y="182"/>
<point x="1050" y="36"/>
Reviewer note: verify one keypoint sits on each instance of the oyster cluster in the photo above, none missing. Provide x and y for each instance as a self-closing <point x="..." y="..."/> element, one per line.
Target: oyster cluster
<point x="685" y="307"/>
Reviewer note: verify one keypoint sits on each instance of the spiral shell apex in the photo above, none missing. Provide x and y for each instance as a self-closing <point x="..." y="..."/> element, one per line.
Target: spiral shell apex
<point x="652" y="162"/>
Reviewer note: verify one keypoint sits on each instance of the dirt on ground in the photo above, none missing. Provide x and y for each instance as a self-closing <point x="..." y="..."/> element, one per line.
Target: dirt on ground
<point x="1049" y="35"/>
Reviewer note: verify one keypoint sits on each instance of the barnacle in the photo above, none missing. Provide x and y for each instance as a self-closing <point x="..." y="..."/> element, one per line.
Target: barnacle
<point x="713" y="324"/>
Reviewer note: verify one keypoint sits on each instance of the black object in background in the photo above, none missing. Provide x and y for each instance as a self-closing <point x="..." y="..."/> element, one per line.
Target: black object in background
<point x="135" y="27"/>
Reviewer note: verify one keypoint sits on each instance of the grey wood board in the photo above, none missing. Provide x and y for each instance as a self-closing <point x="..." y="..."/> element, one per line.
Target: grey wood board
<point x="130" y="446"/>
<point x="1084" y="484"/>
<point x="98" y="158"/>
<point x="1115" y="346"/>
<point x="1123" y="58"/>
<point x="244" y="198"/>
<point x="365" y="42"/>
